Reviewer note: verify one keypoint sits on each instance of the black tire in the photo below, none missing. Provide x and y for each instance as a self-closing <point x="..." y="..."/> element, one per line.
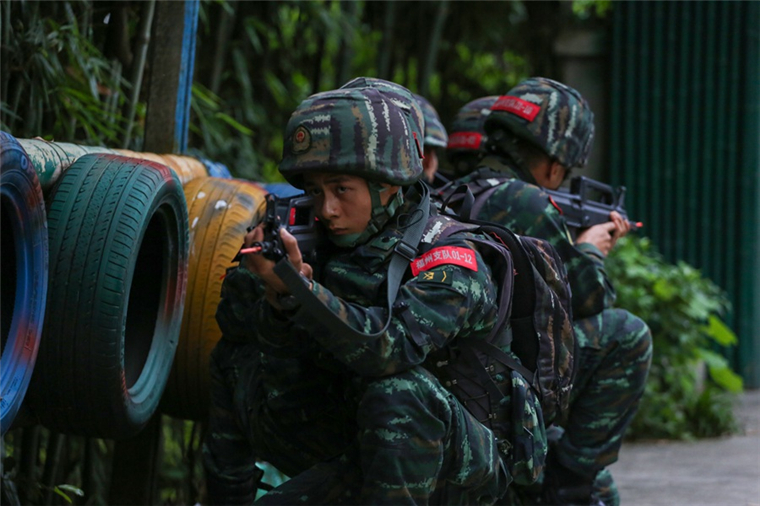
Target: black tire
<point x="119" y="248"/>
<point x="24" y="276"/>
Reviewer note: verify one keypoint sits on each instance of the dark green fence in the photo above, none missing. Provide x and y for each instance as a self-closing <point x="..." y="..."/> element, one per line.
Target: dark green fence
<point x="685" y="140"/>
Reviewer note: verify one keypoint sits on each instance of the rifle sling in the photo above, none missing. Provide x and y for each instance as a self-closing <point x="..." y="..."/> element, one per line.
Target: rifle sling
<point x="404" y="252"/>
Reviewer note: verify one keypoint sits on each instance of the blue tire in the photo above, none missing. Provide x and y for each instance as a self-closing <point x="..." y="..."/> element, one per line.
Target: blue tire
<point x="24" y="278"/>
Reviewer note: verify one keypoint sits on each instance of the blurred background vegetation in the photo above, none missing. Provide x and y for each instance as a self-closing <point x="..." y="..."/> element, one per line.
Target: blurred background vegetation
<point x="69" y="67"/>
<point x="71" y="72"/>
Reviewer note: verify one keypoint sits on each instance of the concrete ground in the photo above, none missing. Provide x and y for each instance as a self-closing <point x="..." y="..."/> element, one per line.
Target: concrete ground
<point x="712" y="472"/>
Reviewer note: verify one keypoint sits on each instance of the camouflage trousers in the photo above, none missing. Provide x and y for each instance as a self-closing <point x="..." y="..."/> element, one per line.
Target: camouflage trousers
<point x="251" y="419"/>
<point x="406" y="441"/>
<point x="615" y="355"/>
<point x="416" y="445"/>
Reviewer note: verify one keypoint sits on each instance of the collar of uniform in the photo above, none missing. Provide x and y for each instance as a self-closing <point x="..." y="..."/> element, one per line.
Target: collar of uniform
<point x="506" y="167"/>
<point x="372" y="254"/>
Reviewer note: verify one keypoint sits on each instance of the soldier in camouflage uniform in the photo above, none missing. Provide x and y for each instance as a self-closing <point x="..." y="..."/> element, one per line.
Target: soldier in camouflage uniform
<point x="435" y="139"/>
<point x="536" y="134"/>
<point x="359" y="420"/>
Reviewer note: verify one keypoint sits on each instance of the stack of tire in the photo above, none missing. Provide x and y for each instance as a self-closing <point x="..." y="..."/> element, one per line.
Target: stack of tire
<point x="135" y="266"/>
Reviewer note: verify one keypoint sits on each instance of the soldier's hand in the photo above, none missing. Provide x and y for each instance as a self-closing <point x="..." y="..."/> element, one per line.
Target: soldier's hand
<point x="294" y="254"/>
<point x="264" y="268"/>
<point x="622" y="226"/>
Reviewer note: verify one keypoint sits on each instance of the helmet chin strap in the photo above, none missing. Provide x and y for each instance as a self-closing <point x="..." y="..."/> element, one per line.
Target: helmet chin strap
<point x="380" y="216"/>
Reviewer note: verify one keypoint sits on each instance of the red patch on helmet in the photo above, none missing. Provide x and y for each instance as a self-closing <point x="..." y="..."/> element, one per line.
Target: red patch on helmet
<point x="419" y="148"/>
<point x="445" y="255"/>
<point x="465" y="140"/>
<point x="516" y="106"/>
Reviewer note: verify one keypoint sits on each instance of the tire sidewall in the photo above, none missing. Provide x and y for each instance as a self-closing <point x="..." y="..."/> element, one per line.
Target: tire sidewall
<point x="140" y="401"/>
<point x="22" y="196"/>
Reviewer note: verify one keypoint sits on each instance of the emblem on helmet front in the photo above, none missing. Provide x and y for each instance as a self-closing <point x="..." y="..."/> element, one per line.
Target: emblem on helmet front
<point x="301" y="139"/>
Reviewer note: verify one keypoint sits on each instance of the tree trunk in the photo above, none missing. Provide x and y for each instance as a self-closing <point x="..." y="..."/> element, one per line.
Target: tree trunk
<point x="141" y="50"/>
<point x="220" y="52"/>
<point x="435" y="38"/>
<point x="386" y="46"/>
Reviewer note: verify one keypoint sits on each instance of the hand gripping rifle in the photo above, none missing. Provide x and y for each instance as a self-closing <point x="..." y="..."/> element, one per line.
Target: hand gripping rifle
<point x="296" y="215"/>
<point x="589" y="202"/>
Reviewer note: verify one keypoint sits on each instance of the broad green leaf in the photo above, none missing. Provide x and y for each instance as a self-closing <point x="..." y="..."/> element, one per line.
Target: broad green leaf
<point x="717" y="365"/>
<point x="720" y="332"/>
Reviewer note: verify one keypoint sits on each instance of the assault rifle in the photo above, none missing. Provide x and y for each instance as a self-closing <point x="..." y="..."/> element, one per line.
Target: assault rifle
<point x="589" y="202"/>
<point x="296" y="214"/>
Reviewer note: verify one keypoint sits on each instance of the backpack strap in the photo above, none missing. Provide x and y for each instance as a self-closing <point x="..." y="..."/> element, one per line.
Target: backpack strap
<point x="497" y="354"/>
<point x="403" y="253"/>
<point x="482" y="199"/>
<point x="521" y="311"/>
<point x="463" y="194"/>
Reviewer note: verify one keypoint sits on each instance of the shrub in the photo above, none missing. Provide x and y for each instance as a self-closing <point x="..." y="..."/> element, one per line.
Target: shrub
<point x="683" y="309"/>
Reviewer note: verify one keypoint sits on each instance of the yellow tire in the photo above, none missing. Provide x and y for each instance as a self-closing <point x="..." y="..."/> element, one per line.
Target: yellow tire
<point x="219" y="212"/>
<point x="187" y="168"/>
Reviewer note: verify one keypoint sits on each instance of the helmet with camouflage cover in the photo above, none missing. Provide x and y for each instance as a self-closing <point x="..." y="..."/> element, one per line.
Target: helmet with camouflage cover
<point x="369" y="128"/>
<point x="435" y="132"/>
<point x="467" y="132"/>
<point x="548" y="114"/>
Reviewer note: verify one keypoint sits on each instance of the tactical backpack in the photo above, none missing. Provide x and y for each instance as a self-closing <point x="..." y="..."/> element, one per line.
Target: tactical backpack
<point x="541" y="316"/>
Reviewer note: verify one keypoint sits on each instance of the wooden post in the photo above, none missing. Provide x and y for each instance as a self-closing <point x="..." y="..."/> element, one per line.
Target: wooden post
<point x="172" y="63"/>
<point x="135" y="462"/>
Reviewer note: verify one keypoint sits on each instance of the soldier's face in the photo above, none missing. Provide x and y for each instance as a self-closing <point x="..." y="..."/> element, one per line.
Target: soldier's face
<point x="342" y="202"/>
<point x="430" y="163"/>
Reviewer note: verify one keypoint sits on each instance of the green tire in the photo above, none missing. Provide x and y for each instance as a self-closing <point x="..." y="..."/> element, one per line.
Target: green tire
<point x="118" y="231"/>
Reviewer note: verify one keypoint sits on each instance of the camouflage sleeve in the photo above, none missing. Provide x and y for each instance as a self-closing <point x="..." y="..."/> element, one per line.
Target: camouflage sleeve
<point x="527" y="210"/>
<point x="244" y="316"/>
<point x="442" y="302"/>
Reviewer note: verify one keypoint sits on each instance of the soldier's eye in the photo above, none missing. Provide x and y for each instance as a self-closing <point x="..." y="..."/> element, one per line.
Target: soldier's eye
<point x="313" y="192"/>
<point x="342" y="189"/>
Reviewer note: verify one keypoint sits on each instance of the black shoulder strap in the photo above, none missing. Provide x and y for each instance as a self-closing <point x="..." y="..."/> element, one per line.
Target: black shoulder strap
<point x="492" y="351"/>
<point x="464" y="194"/>
<point x="403" y="253"/>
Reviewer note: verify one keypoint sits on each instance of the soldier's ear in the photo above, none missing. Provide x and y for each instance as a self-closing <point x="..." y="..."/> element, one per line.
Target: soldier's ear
<point x="541" y="170"/>
<point x="556" y="175"/>
<point x="387" y="192"/>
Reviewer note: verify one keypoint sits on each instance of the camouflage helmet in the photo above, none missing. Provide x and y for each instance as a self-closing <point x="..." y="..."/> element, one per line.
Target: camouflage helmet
<point x="369" y="128"/>
<point x="550" y="115"/>
<point x="435" y="132"/>
<point x="467" y="132"/>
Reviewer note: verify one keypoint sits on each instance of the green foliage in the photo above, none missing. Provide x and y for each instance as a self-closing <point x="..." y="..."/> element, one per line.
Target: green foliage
<point x="56" y="81"/>
<point x="62" y="490"/>
<point x="275" y="54"/>
<point x="585" y="9"/>
<point x="83" y="467"/>
<point x="683" y="309"/>
<point x="180" y="475"/>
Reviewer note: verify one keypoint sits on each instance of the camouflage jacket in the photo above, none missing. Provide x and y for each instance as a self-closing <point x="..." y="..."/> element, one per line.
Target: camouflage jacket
<point x="525" y="209"/>
<point x="446" y="300"/>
